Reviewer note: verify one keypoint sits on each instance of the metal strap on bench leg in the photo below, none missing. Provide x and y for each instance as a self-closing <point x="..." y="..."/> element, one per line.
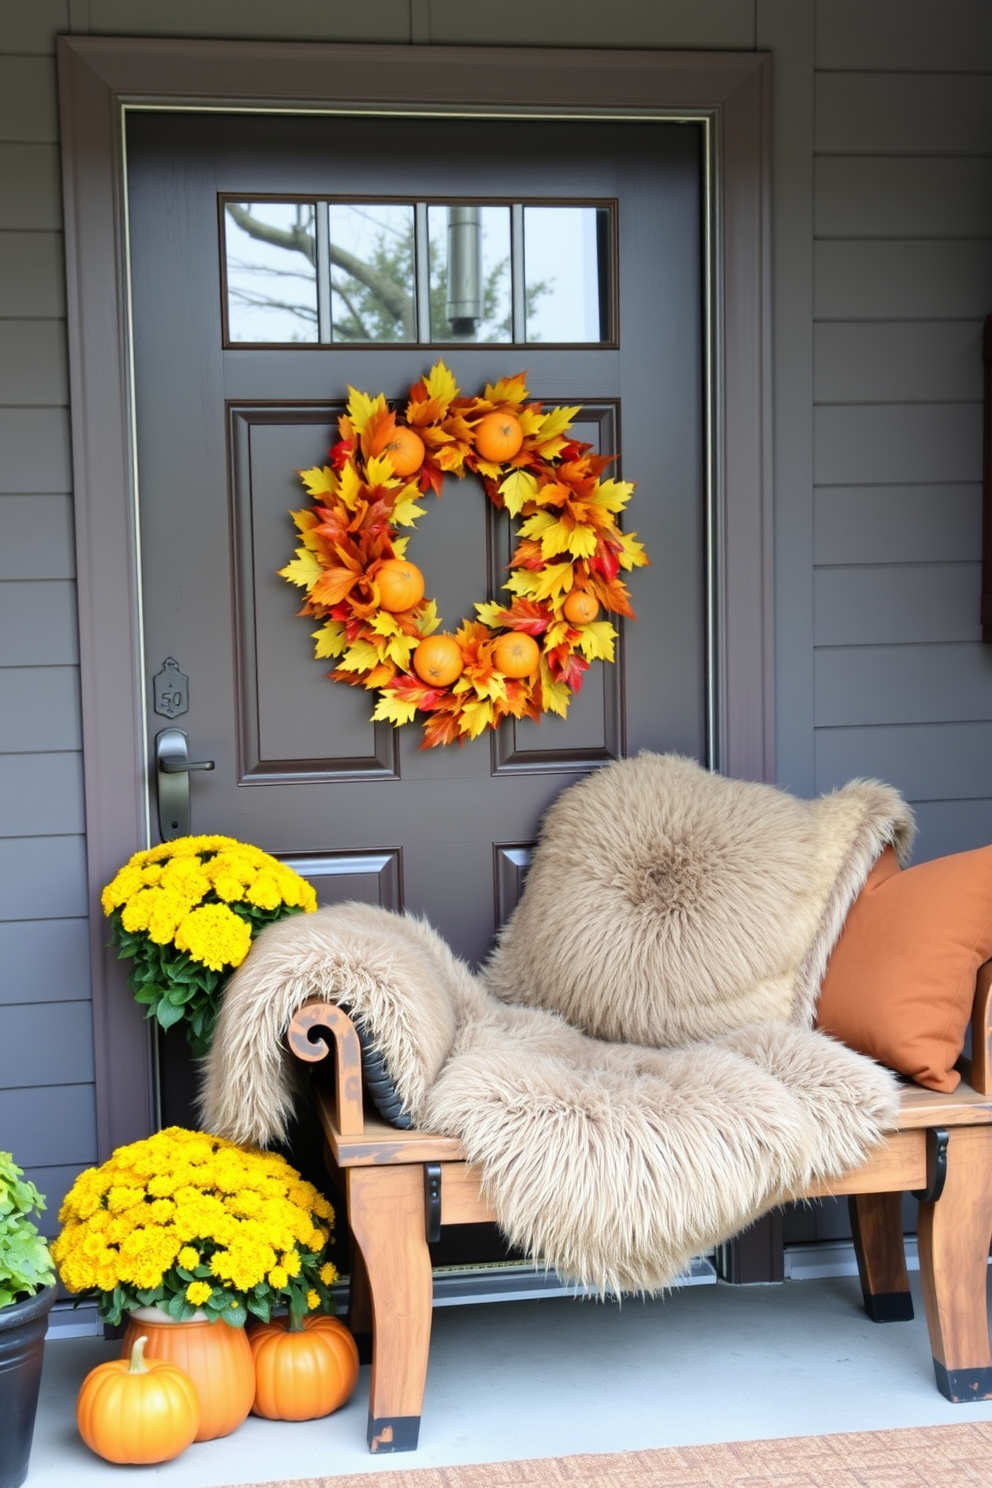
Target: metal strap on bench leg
<point x="432" y="1201"/>
<point x="937" y="1140"/>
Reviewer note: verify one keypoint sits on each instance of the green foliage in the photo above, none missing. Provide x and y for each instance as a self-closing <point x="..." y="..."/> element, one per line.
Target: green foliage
<point x="25" y="1265"/>
<point x="172" y="986"/>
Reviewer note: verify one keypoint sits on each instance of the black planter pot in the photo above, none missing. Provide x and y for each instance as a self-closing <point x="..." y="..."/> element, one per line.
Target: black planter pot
<point x="22" y="1340"/>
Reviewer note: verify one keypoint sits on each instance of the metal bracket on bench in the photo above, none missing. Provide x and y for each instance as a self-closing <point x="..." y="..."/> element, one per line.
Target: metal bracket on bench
<point x="937" y="1139"/>
<point x="432" y="1201"/>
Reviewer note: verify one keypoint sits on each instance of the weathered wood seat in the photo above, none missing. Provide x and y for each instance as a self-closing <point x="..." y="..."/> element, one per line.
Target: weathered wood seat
<point x="400" y="1187"/>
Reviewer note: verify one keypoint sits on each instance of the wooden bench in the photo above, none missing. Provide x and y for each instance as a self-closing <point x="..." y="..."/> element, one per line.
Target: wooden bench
<point x="400" y="1187"/>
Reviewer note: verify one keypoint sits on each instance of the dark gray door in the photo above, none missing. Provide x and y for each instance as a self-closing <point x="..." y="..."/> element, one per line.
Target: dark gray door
<point x="222" y="429"/>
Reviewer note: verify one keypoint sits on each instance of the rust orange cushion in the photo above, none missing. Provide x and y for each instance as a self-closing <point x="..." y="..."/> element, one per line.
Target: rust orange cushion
<point x="901" y="980"/>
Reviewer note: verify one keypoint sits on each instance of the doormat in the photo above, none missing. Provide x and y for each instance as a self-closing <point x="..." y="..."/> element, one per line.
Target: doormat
<point x="916" y="1457"/>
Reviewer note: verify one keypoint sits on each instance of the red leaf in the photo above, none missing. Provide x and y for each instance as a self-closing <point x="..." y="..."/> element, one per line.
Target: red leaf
<point x="441" y="728"/>
<point x="339" y="454"/>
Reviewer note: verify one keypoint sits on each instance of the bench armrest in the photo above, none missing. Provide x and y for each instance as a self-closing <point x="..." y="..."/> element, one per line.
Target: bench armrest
<point x="981" y="1033"/>
<point x="315" y="1029"/>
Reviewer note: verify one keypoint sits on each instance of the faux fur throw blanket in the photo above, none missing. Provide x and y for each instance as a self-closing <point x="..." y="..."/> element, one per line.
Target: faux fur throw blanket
<point x="614" y="1163"/>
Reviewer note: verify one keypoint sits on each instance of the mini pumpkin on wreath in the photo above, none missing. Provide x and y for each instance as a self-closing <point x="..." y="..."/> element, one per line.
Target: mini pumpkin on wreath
<point x="518" y="659"/>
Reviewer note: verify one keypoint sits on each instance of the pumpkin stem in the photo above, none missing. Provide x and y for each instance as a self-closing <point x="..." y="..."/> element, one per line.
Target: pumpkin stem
<point x="137" y="1364"/>
<point x="295" y="1321"/>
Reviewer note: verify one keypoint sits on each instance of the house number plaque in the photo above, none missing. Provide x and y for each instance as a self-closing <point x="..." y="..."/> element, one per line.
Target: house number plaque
<point x="171" y="687"/>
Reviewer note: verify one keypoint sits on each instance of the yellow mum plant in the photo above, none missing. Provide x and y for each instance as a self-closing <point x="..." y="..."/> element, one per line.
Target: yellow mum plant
<point x="191" y="1222"/>
<point x="185" y="914"/>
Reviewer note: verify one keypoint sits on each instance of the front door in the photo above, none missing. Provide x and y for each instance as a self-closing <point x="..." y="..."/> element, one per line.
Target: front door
<point x="274" y="262"/>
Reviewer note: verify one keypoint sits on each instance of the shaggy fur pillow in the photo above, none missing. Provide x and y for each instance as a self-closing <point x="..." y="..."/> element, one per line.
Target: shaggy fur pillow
<point x="666" y="903"/>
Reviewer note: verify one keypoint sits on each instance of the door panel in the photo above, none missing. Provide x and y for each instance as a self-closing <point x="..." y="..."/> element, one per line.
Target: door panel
<point x="301" y="770"/>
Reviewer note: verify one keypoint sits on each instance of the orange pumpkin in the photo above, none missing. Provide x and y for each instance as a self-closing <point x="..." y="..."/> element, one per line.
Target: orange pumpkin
<point x="516" y="654"/>
<point x="580" y="607"/>
<point x="405" y="449"/>
<point x="438" y="660"/>
<point x="400" y="584"/>
<point x="498" y="436"/>
<point x="305" y="1372"/>
<point x="217" y="1359"/>
<point x="136" y="1410"/>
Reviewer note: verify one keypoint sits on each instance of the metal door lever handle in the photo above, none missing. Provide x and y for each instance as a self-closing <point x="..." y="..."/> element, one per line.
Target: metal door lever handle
<point x="172" y="770"/>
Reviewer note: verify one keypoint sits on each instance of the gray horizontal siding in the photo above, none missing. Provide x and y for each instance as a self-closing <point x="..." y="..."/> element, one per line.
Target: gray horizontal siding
<point x="36" y="450"/>
<point x="902" y="684"/>
<point x="38" y="625"/>
<point x="907" y="279"/>
<point x="926" y="762"/>
<point x="909" y="361"/>
<point x="883" y="605"/>
<point x="41" y="794"/>
<point x="34" y="362"/>
<point x="46" y="1044"/>
<point x="36" y="537"/>
<point x="44" y="961"/>
<point x="885" y="444"/>
<point x="53" y="1184"/>
<point x="891" y="113"/>
<point x="951" y="827"/>
<point x="30" y="191"/>
<point x="895" y="198"/>
<point x="897" y="524"/>
<point x="32" y="274"/>
<point x="39" y="709"/>
<point x="904" y="35"/>
<point x="28" y="102"/>
<point x="51" y="1125"/>
<point x="42" y="878"/>
<point x="314" y="20"/>
<point x="29" y="26"/>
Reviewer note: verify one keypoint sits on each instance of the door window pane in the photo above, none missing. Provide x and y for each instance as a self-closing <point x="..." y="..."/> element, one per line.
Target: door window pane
<point x="567" y="273"/>
<point x="373" y="271"/>
<point x="271" y="257"/>
<point x="470" y="298"/>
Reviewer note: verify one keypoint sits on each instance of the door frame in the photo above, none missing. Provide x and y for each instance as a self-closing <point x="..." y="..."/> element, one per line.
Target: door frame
<point x="100" y="78"/>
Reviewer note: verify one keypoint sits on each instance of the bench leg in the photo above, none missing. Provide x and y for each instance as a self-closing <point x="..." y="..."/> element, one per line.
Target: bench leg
<point x="360" y="1305"/>
<point x="954" y="1240"/>
<point x="387" y="1217"/>
<point x="876" y="1223"/>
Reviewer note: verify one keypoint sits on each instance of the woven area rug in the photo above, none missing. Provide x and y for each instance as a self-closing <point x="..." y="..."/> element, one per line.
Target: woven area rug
<point x="923" y="1457"/>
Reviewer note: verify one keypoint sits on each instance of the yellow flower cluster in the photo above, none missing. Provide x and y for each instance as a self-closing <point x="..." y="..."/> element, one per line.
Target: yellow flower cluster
<point x="161" y="892"/>
<point x="232" y="1219"/>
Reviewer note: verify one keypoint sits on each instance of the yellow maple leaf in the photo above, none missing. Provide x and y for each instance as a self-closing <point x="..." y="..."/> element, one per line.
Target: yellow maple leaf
<point x="555" y="696"/>
<point x="330" y="639"/>
<point x="507" y="390"/>
<point x="428" y="622"/>
<point x="634" y="554"/>
<point x="304" y="570"/>
<point x="440" y="383"/>
<point x="405" y="513"/>
<point x="518" y="488"/>
<point x="399" y="649"/>
<point x="530" y="420"/>
<point x="475" y="716"/>
<point x="556" y="422"/>
<point x="393" y="709"/>
<point x="553" y="581"/>
<point x="385" y="625"/>
<point x="361" y="656"/>
<point x="319" y="482"/>
<point x="596" y="640"/>
<point x="563" y="537"/>
<point x="350" y="488"/>
<point x="361" y="408"/>
<point x="305" y="519"/>
<point x="611" y="495"/>
<point x="380" y="472"/>
<point x="400" y="545"/>
<point x="489" y="613"/>
<point x="538" y="524"/>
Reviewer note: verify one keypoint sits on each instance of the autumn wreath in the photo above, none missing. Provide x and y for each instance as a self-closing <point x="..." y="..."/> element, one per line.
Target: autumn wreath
<point x="517" y="660"/>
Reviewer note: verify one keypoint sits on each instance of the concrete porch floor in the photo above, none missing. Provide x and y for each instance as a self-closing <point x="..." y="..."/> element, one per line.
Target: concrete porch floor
<point x="558" y="1376"/>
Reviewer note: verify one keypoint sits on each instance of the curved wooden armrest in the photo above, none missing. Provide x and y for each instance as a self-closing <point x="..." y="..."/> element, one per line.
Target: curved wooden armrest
<point x="315" y="1027"/>
<point x="981" y="1032"/>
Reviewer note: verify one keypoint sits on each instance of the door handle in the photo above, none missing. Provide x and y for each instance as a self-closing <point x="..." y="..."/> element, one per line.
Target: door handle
<point x="172" y="769"/>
